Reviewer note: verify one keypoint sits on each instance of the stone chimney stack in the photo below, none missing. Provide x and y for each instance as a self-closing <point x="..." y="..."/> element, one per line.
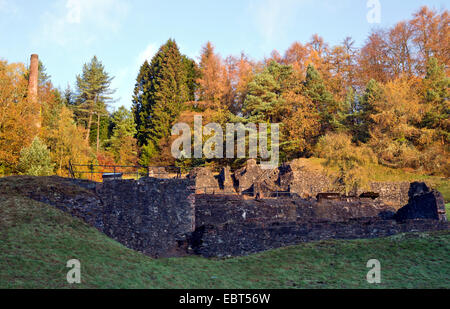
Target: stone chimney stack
<point x="33" y="82"/>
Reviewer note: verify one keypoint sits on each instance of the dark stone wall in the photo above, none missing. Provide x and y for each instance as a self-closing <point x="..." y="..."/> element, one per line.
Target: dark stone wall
<point x="226" y="209"/>
<point x="150" y="215"/>
<point x="237" y="240"/>
<point x="153" y="216"/>
<point x="165" y="218"/>
<point x="233" y="226"/>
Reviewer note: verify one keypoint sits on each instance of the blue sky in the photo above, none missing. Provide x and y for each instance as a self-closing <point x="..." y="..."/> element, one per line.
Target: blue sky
<point x="67" y="33"/>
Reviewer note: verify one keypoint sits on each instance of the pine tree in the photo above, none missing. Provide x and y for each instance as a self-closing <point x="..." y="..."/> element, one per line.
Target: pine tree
<point x="94" y="92"/>
<point x="192" y="75"/>
<point x="367" y="102"/>
<point x="326" y="105"/>
<point x="264" y="101"/>
<point x="68" y="96"/>
<point x="436" y="96"/>
<point x="160" y="92"/>
<point x="140" y="99"/>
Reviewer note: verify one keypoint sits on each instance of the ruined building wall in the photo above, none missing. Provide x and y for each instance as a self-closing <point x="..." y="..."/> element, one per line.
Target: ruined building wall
<point x="165" y="218"/>
<point x="153" y="216"/>
<point x="287" y="178"/>
<point x="150" y="215"/>
<point x="232" y="226"/>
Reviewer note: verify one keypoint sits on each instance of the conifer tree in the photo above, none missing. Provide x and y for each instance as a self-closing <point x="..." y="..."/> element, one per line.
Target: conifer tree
<point x="192" y="75"/>
<point x="160" y="92"/>
<point x="316" y="91"/>
<point x="372" y="94"/>
<point x="264" y="101"/>
<point x="140" y="99"/>
<point x="94" y="91"/>
<point x="436" y="96"/>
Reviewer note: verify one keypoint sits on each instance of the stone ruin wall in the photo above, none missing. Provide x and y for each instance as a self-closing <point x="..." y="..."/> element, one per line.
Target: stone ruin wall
<point x="232" y="226"/>
<point x="165" y="218"/>
<point x="153" y="216"/>
<point x="286" y="179"/>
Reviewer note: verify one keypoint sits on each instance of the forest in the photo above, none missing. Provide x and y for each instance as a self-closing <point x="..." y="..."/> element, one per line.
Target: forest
<point x="385" y="103"/>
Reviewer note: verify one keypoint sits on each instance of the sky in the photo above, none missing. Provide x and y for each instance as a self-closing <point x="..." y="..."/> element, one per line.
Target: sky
<point x="122" y="34"/>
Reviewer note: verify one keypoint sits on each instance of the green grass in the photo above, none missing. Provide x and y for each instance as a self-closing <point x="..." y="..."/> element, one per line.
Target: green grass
<point x="36" y="241"/>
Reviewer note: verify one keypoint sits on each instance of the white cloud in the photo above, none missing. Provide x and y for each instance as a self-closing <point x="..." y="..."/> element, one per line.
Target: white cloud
<point x="74" y="11"/>
<point x="81" y="21"/>
<point x="147" y="53"/>
<point x="273" y="17"/>
<point x="7" y="6"/>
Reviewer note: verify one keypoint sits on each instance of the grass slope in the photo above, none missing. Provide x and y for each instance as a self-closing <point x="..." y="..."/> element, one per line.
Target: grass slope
<point x="36" y="241"/>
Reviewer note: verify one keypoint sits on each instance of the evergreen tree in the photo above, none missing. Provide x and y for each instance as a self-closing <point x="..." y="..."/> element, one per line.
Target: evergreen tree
<point x="372" y="94"/>
<point x="435" y="96"/>
<point x="323" y="99"/>
<point x="68" y="96"/>
<point x="93" y="87"/>
<point x="43" y="76"/>
<point x="35" y="160"/>
<point x="141" y="96"/>
<point x="264" y="101"/>
<point x="192" y="75"/>
<point x="160" y="92"/>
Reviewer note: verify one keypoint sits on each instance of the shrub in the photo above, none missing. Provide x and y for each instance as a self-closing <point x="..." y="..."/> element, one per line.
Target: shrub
<point x="35" y="160"/>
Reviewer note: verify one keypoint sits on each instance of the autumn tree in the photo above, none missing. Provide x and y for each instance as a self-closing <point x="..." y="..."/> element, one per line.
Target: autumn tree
<point x="373" y="62"/>
<point x="212" y="82"/>
<point x="16" y="115"/>
<point x="393" y="135"/>
<point x="430" y="32"/>
<point x="346" y="163"/>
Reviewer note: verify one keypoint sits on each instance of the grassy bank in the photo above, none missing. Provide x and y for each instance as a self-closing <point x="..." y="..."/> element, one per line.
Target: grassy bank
<point x="36" y="241"/>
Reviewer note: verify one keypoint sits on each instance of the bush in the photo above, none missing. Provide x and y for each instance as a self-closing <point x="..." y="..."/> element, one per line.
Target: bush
<point x="35" y="160"/>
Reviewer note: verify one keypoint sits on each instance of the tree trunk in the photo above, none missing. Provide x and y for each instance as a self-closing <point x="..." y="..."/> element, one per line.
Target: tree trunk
<point x="89" y="127"/>
<point x="90" y="119"/>
<point x="98" y="131"/>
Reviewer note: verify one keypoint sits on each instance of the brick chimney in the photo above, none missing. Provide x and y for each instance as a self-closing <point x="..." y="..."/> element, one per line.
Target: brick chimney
<point x="33" y="82"/>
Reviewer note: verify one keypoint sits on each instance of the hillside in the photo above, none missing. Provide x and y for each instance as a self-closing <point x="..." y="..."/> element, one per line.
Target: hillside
<point x="36" y="241"/>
